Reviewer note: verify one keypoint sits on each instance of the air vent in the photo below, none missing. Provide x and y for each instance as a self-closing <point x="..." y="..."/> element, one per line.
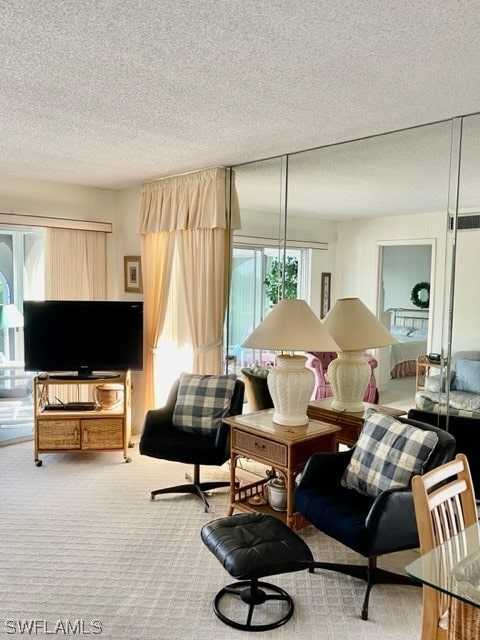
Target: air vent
<point x="466" y="222"/>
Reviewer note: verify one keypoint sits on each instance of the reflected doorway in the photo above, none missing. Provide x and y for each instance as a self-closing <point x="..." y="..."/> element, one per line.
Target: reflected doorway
<point x="404" y="268"/>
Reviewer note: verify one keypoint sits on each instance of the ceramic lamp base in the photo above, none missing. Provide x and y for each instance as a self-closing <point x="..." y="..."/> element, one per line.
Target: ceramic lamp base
<point x="291" y="385"/>
<point x="348" y="375"/>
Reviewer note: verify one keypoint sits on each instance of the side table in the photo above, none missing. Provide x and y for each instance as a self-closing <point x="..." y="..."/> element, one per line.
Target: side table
<point x="285" y="449"/>
<point x="351" y="423"/>
<point x="424" y="364"/>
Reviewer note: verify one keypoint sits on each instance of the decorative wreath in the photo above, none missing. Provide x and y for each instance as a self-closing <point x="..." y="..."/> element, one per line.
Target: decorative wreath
<point x="417" y="298"/>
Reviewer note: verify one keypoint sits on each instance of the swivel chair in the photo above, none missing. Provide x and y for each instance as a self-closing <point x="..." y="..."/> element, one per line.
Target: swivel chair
<point x="256" y="389"/>
<point x="371" y="525"/>
<point x="161" y="438"/>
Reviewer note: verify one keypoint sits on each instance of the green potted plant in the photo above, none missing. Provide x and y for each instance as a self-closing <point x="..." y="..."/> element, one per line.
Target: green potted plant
<point x="280" y="272"/>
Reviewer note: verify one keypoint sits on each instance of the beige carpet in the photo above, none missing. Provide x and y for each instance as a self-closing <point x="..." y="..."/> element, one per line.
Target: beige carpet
<point x="84" y="549"/>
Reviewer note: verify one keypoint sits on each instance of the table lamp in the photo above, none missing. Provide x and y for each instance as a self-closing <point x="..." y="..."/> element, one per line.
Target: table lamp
<point x="355" y="329"/>
<point x="10" y="317"/>
<point x="291" y="326"/>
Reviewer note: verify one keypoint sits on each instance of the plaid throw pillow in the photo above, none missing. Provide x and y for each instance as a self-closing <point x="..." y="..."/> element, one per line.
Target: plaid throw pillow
<point x="202" y="402"/>
<point x="388" y="454"/>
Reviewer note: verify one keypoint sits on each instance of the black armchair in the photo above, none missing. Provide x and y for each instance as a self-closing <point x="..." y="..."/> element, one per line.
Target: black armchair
<point x="162" y="439"/>
<point x="371" y="526"/>
<point x="256" y="389"/>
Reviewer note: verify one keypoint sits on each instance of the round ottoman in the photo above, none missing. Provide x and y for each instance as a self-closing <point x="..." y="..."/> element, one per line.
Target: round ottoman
<point x="251" y="546"/>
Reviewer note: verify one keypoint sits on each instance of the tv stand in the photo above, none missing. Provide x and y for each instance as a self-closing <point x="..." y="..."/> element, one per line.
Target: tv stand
<point x="63" y="426"/>
<point x="95" y="375"/>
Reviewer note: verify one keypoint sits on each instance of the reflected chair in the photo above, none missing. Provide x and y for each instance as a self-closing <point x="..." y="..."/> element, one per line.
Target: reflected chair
<point x="256" y="389"/>
<point x="371" y="520"/>
<point x="207" y="442"/>
<point x="444" y="501"/>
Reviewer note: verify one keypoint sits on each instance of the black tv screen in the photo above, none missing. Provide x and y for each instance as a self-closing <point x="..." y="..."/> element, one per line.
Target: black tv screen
<point x="84" y="338"/>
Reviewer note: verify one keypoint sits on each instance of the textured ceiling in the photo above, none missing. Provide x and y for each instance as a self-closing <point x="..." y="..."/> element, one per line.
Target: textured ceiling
<point x="110" y="93"/>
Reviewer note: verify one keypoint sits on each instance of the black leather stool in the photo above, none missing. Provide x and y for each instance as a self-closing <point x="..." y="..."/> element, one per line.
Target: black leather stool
<point x="251" y="546"/>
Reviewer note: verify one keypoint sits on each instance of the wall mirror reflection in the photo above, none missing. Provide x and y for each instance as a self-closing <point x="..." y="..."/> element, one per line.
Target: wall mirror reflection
<point x="455" y="389"/>
<point x="372" y="213"/>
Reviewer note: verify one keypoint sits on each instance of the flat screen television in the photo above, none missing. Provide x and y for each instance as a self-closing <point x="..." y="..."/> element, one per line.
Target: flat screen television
<point x="86" y="339"/>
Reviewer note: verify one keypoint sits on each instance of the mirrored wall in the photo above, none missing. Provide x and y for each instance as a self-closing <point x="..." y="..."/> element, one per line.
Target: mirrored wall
<point x="384" y="219"/>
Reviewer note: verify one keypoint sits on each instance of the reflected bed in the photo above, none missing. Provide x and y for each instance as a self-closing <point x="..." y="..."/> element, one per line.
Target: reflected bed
<point x="410" y="328"/>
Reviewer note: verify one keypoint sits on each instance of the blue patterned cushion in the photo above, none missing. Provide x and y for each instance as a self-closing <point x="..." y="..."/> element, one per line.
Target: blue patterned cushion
<point x="388" y="454"/>
<point x="202" y="402"/>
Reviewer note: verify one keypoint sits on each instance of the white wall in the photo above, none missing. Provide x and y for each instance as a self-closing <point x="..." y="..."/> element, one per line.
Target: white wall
<point x="126" y="242"/>
<point x="36" y="197"/>
<point x="125" y="239"/>
<point x="466" y="307"/>
<point x="404" y="266"/>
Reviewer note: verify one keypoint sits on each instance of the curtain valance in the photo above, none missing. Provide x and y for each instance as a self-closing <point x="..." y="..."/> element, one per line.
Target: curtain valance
<point x="196" y="200"/>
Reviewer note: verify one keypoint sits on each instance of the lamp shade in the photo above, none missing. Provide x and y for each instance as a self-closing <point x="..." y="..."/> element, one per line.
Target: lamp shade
<point x="10" y="316"/>
<point x="355" y="328"/>
<point x="291" y="326"/>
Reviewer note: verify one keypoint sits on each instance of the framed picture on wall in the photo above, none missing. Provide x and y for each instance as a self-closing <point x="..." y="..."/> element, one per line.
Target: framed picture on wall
<point x="133" y="274"/>
<point x="325" y="294"/>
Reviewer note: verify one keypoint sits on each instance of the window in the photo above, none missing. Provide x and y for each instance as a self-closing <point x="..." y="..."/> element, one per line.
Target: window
<point x="21" y="277"/>
<point x="258" y="282"/>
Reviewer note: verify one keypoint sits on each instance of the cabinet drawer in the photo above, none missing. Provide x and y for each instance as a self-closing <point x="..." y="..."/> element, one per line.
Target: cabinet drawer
<point x="256" y="446"/>
<point x="102" y="433"/>
<point x="58" y="434"/>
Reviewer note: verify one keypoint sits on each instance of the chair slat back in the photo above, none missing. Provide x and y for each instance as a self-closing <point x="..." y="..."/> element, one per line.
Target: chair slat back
<point x="444" y="502"/>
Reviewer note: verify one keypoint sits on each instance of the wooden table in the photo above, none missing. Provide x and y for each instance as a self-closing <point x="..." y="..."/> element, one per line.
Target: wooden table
<point x="351" y="423"/>
<point x="285" y="449"/>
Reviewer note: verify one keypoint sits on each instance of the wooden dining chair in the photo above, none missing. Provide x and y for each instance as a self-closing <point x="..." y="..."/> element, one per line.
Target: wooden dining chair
<point x="444" y="501"/>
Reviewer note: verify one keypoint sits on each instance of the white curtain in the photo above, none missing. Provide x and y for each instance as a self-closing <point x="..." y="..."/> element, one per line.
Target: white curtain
<point x="75" y="265"/>
<point x="185" y="222"/>
<point x="75" y="269"/>
<point x="34" y="266"/>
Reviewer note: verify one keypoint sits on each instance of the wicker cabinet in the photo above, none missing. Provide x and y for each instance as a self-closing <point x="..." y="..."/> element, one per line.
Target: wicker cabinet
<point x="61" y="429"/>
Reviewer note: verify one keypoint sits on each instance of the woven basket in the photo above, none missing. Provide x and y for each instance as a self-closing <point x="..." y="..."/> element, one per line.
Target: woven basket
<point x="464" y="621"/>
<point x="109" y="396"/>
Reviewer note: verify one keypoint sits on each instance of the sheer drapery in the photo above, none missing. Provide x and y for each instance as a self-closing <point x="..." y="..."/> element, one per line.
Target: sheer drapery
<point x="75" y="269"/>
<point x="157" y="258"/>
<point x="34" y="267"/>
<point x="203" y="257"/>
<point x="192" y="211"/>
<point x="75" y="264"/>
